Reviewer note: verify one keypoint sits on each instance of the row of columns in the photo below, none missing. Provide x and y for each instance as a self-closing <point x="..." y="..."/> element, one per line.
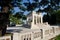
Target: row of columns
<point x="35" y="16"/>
<point x="39" y="19"/>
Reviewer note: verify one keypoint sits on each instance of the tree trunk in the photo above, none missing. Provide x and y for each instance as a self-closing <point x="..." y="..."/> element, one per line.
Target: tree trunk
<point x="4" y="18"/>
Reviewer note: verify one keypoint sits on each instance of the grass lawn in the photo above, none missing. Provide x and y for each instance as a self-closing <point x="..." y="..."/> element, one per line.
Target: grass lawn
<point x="57" y="37"/>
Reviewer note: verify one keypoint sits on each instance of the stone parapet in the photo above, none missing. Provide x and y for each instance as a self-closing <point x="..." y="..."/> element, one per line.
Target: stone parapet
<point x="38" y="34"/>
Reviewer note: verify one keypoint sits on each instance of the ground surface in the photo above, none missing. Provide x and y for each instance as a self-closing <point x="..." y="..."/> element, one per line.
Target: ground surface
<point x="57" y="37"/>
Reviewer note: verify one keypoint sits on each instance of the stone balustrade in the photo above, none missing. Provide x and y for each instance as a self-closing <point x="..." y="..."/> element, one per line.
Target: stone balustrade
<point x="38" y="34"/>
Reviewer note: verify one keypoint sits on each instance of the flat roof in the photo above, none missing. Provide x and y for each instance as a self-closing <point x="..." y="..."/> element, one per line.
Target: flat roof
<point x="20" y="30"/>
<point x="16" y="29"/>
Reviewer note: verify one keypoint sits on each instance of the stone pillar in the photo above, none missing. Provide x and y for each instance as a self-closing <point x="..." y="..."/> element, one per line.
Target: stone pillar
<point x="33" y="16"/>
<point x="33" y="19"/>
<point x="42" y="34"/>
<point x="27" y="20"/>
<point x="16" y="36"/>
<point x="32" y="36"/>
<point x="41" y="19"/>
<point x="36" y="19"/>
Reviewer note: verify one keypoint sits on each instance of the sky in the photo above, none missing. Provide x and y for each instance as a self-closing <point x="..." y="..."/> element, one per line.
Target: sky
<point x="16" y="9"/>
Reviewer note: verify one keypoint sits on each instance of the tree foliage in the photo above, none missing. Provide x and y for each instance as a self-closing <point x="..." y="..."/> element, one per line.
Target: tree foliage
<point x="47" y="5"/>
<point x="20" y="15"/>
<point x="17" y="18"/>
<point x="6" y="6"/>
<point x="57" y="13"/>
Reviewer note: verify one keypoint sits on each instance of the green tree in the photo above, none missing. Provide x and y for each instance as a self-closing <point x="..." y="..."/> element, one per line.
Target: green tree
<point x="48" y="6"/>
<point x="18" y="15"/>
<point x="24" y="17"/>
<point x="6" y="6"/>
<point x="14" y="19"/>
<point x="57" y="13"/>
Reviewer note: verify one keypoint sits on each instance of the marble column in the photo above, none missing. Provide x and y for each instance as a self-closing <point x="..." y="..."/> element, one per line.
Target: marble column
<point x="41" y="19"/>
<point x="33" y="19"/>
<point x="36" y="19"/>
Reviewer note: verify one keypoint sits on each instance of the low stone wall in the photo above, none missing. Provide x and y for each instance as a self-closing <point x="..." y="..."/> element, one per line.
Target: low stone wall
<point x="19" y="25"/>
<point x="40" y="34"/>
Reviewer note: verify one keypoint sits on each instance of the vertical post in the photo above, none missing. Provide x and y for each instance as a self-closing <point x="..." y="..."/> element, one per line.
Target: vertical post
<point x="36" y="19"/>
<point x="33" y="18"/>
<point x="41" y="19"/>
<point x="27" y="20"/>
<point x="16" y="36"/>
<point x="53" y="29"/>
<point x="41" y="33"/>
